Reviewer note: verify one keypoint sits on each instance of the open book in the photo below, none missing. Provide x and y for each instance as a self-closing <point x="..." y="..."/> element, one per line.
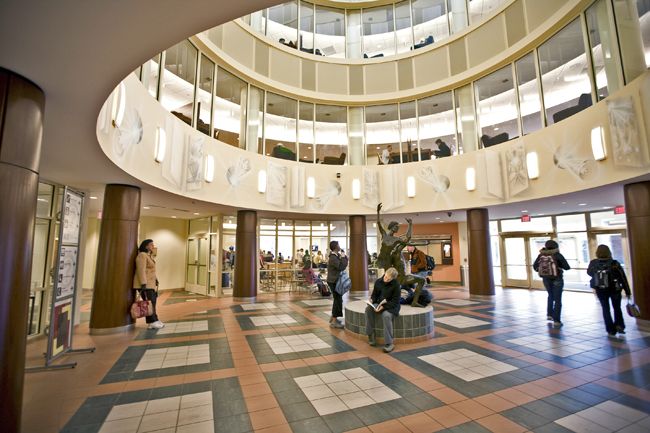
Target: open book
<point x="375" y="306"/>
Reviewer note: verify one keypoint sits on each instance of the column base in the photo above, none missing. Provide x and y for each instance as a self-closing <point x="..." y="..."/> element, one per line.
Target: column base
<point x="108" y="331"/>
<point x="249" y="299"/>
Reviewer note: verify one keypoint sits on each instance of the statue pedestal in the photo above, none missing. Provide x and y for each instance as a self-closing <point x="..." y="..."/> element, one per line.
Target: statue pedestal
<point x="412" y="324"/>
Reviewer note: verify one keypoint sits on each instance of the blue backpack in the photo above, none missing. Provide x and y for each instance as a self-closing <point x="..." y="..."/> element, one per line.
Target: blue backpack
<point x="343" y="284"/>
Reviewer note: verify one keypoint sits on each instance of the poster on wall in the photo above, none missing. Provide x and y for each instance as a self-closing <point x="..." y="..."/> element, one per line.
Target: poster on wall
<point x="61" y="326"/>
<point x="276" y="184"/>
<point x="71" y="217"/>
<point x="628" y="148"/>
<point x="67" y="271"/>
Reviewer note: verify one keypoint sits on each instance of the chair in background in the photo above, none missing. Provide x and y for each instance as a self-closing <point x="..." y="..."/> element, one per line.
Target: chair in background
<point x="497" y="139"/>
<point x="333" y="160"/>
<point x="584" y="101"/>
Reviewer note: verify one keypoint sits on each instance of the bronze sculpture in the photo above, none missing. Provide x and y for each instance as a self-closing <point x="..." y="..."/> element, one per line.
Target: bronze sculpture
<point x="390" y="254"/>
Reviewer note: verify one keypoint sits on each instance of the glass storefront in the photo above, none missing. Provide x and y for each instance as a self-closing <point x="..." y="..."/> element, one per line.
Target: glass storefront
<point x="577" y="234"/>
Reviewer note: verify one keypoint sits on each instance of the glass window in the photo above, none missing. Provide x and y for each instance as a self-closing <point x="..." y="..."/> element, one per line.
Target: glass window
<point x="575" y="249"/>
<point x="204" y="96"/>
<point x="570" y="223"/>
<point x="255" y="125"/>
<point x="319" y="238"/>
<point x="306" y="27"/>
<point x="338" y="232"/>
<point x="601" y="41"/>
<point x="177" y="88"/>
<point x="199" y="226"/>
<point x="497" y="107"/>
<point x="607" y="220"/>
<point x="282" y="23"/>
<point x="330" y="32"/>
<point x="382" y="134"/>
<point x="494" y="228"/>
<point x="529" y="100"/>
<point x="280" y="126"/>
<point x="480" y="9"/>
<point x="465" y="119"/>
<point x="457" y="15"/>
<point x="437" y="129"/>
<point x="403" y="30"/>
<point x="306" y="132"/>
<point x="429" y="22"/>
<point x="285" y="244"/>
<point x="331" y="134"/>
<point x="409" y="132"/>
<point x="258" y="21"/>
<point x="229" y="106"/>
<point x="44" y="200"/>
<point x="378" y="32"/>
<point x="150" y="72"/>
<point x="538" y="224"/>
<point x="565" y="78"/>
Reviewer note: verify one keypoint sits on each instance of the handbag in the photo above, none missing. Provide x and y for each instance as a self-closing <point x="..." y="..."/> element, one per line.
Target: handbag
<point x="141" y="308"/>
<point x="632" y="309"/>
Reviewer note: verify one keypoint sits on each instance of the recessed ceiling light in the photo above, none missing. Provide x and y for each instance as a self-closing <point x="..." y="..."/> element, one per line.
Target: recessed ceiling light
<point x="146" y="207"/>
<point x="605" y="207"/>
<point x="92" y="197"/>
<point x="196" y="213"/>
<point x="582" y="204"/>
<point x="173" y="216"/>
<point x="540" y="214"/>
<point x="563" y="202"/>
<point x="524" y="211"/>
<point x="437" y="218"/>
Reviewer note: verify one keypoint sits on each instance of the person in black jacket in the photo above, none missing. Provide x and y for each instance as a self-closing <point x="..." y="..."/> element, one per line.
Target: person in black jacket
<point x="336" y="263"/>
<point x="554" y="284"/>
<point x="608" y="280"/>
<point x="385" y="301"/>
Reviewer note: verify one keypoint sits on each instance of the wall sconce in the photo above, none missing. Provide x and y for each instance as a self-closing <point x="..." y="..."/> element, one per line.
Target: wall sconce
<point x="410" y="186"/>
<point x="356" y="189"/>
<point x="470" y="179"/>
<point x="208" y="175"/>
<point x="161" y="145"/>
<point x="311" y="187"/>
<point x="261" y="181"/>
<point x="118" y="105"/>
<point x="532" y="164"/>
<point x="598" y="143"/>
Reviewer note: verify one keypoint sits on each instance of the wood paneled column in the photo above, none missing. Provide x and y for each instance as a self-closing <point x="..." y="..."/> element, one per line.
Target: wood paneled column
<point x="637" y="209"/>
<point x="117" y="248"/>
<point x="21" y="130"/>
<point x="246" y="256"/>
<point x="481" y="281"/>
<point x="358" y="254"/>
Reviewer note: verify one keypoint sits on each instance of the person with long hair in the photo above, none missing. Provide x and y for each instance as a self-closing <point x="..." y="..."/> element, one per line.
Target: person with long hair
<point x="145" y="280"/>
<point x="336" y="264"/>
<point x="609" y="281"/>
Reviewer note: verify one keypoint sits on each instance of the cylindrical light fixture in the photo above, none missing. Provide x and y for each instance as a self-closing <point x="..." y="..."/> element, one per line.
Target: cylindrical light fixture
<point x="598" y="144"/>
<point x="118" y="105"/>
<point x="261" y="181"/>
<point x="311" y="187"/>
<point x="208" y="175"/>
<point x="356" y="189"/>
<point x="470" y="179"/>
<point x="532" y="165"/>
<point x="410" y="186"/>
<point x="161" y="145"/>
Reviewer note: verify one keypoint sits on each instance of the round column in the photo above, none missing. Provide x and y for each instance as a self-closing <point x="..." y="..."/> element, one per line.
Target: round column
<point x="245" y="281"/>
<point x="117" y="248"/>
<point x="21" y="130"/>
<point x="637" y="209"/>
<point x="358" y="254"/>
<point x="481" y="281"/>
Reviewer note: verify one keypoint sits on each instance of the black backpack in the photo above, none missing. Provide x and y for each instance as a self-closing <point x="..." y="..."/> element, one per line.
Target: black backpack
<point x="547" y="266"/>
<point x="603" y="275"/>
<point x="431" y="263"/>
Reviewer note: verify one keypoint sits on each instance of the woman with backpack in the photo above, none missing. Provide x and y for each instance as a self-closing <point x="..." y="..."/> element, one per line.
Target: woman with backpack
<point x="608" y="280"/>
<point x="549" y="265"/>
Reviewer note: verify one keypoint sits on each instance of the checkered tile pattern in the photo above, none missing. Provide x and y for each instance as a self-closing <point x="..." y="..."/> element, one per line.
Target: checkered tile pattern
<point x="459" y="321"/>
<point x="295" y="343"/>
<point x="182" y="327"/>
<point x="606" y="417"/>
<point x="457" y="302"/>
<point x="467" y="365"/>
<point x="181" y="414"/>
<point x="174" y="357"/>
<point x="261" y="306"/>
<point x="317" y="302"/>
<point x="341" y="390"/>
<point x="554" y="346"/>
<point x="280" y="319"/>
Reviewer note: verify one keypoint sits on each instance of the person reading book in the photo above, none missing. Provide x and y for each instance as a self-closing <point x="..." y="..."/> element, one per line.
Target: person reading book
<point x="384" y="300"/>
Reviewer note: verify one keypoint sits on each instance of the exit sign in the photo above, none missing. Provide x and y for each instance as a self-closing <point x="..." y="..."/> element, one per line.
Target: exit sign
<point x="618" y="210"/>
<point x="525" y="218"/>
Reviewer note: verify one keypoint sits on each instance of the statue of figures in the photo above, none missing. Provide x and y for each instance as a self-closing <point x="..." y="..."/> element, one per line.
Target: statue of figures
<point x="390" y="254"/>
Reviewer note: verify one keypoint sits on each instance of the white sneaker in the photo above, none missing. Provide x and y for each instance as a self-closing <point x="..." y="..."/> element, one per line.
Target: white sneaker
<point x="152" y="326"/>
<point x="159" y="324"/>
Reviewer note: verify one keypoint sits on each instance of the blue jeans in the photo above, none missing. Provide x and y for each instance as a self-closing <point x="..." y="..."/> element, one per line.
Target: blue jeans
<point x="554" y="287"/>
<point x="604" y="296"/>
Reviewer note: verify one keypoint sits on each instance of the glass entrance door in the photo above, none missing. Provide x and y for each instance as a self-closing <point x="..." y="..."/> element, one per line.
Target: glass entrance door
<point x="516" y="261"/>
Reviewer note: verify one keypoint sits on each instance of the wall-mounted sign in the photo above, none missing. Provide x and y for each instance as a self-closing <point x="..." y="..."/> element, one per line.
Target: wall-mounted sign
<point x="619" y="210"/>
<point x="525" y="218"/>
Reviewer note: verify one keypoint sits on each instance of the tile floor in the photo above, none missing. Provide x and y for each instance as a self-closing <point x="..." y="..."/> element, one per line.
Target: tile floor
<point x="277" y="367"/>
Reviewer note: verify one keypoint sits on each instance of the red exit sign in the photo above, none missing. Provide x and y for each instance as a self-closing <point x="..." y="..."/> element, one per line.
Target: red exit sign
<point x="618" y="210"/>
<point x="525" y="218"/>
